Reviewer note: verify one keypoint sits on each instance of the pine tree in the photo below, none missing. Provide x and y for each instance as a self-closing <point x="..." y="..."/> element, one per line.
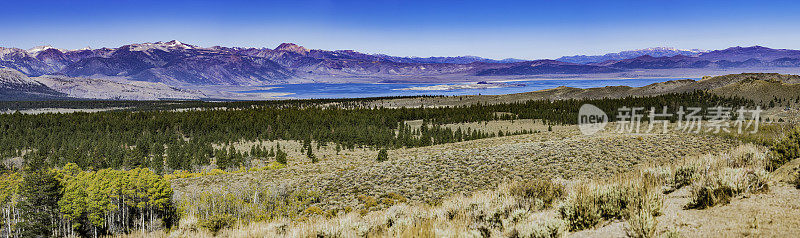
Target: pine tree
<point x="158" y="164"/>
<point x="223" y="159"/>
<point x="39" y="192"/>
<point x="382" y="155"/>
<point x="310" y="155"/>
<point x="280" y="156"/>
<point x="173" y="157"/>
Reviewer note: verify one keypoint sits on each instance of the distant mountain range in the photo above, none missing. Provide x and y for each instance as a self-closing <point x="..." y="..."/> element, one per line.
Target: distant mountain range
<point x="178" y="65"/>
<point x="447" y="60"/>
<point x="655" y="52"/>
<point x="546" y="67"/>
<point x="734" y="57"/>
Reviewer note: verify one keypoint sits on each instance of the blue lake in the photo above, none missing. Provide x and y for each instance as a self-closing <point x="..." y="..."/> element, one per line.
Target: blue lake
<point x="356" y="90"/>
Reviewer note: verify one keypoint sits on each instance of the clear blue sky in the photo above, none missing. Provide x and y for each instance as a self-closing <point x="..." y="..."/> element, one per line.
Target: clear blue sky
<point x="495" y="29"/>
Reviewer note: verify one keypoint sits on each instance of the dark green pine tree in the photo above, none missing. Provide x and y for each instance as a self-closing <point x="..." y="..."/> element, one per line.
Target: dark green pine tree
<point x="311" y="155"/>
<point x="39" y="192"/>
<point x="158" y="163"/>
<point x="223" y="159"/>
<point x="173" y="157"/>
<point x="382" y="155"/>
<point x="280" y="156"/>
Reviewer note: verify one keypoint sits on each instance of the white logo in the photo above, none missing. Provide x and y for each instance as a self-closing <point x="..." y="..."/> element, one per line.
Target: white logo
<point x="591" y="119"/>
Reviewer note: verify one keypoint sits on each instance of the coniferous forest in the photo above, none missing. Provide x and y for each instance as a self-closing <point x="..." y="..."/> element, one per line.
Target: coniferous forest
<point x="99" y="173"/>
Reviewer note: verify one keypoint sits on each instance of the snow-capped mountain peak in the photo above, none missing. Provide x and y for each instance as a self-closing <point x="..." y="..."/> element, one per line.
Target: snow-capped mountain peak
<point x="667" y="49"/>
<point x="628" y="54"/>
<point x="36" y="50"/>
<point x="165" y="46"/>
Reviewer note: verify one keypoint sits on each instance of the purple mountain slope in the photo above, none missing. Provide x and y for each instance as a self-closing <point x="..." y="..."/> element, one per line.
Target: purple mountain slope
<point x="547" y="67"/>
<point x="177" y="63"/>
<point x="629" y="54"/>
<point x="734" y="57"/>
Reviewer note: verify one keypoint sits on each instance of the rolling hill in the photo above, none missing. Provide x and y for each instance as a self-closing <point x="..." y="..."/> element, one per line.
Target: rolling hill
<point x="15" y="86"/>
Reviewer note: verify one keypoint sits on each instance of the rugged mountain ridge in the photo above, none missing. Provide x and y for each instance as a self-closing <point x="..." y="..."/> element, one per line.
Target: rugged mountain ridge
<point x="546" y="67"/>
<point x="628" y="54"/>
<point x="179" y="64"/>
<point x="734" y="57"/>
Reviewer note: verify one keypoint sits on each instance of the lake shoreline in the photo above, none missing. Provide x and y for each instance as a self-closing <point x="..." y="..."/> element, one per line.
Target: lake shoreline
<point x="361" y="90"/>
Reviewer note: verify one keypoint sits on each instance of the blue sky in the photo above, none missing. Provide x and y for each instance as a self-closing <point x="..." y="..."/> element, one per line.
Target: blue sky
<point x="494" y="29"/>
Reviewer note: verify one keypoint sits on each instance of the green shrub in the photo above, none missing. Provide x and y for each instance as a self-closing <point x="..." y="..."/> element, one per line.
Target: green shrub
<point x="546" y="228"/>
<point x="683" y="177"/>
<point x="613" y="202"/>
<point x="217" y="222"/>
<point x="368" y="201"/>
<point x="755" y="181"/>
<point x="581" y="210"/>
<point x="544" y="190"/>
<point x="382" y="155"/>
<point x="671" y="234"/>
<point x="314" y="211"/>
<point x="390" y="199"/>
<point x="786" y="149"/>
<point x="709" y="196"/>
<point x="616" y="201"/>
<point x="641" y="224"/>
<point x="719" y="186"/>
<point x="646" y="201"/>
<point x="587" y="205"/>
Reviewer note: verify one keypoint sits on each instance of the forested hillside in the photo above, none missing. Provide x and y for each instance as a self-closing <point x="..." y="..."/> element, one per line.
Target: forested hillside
<point x="108" y="172"/>
<point x="172" y="140"/>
